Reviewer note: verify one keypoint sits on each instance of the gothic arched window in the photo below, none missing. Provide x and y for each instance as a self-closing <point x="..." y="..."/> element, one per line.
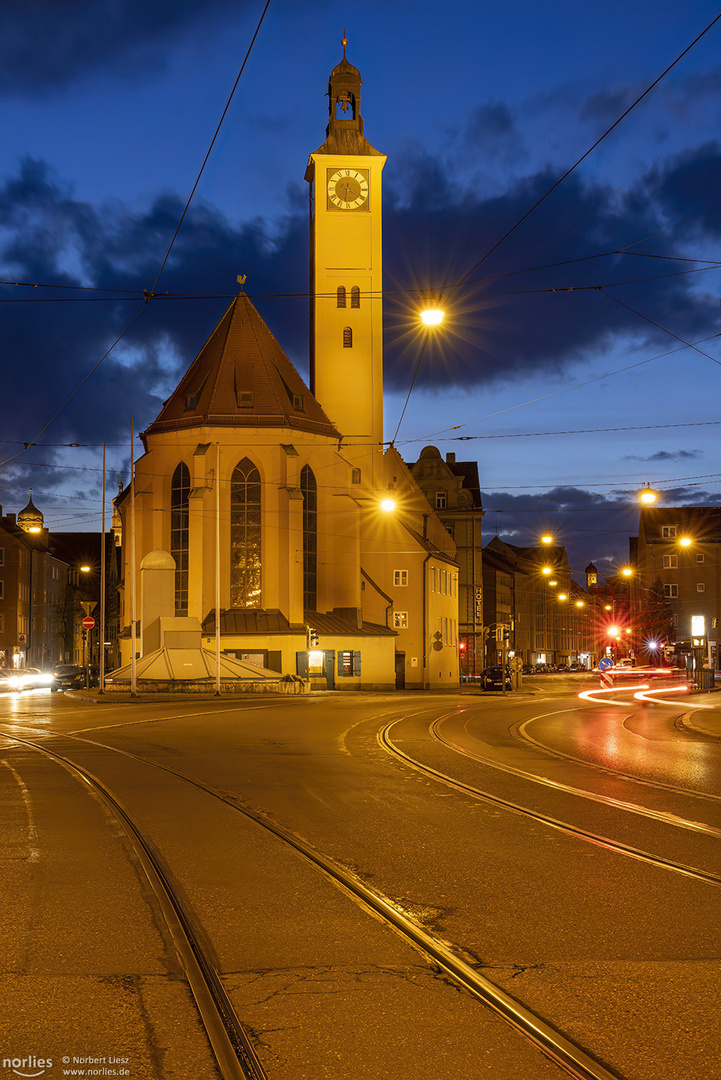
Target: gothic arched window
<point x="310" y="537"/>
<point x="179" y="492"/>
<point x="355" y="296"/>
<point x="245" y="536"/>
<point x="340" y="296"/>
<point x="347" y="337"/>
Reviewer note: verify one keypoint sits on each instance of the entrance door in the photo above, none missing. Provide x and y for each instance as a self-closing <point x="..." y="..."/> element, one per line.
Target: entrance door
<point x="329" y="665"/>
<point x="400" y="671"/>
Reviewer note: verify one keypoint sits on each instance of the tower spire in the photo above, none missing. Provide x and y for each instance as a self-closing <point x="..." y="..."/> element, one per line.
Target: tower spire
<point x="344" y="42"/>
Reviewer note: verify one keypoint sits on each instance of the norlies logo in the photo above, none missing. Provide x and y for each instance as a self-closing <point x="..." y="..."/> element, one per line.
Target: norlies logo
<point x="28" y="1066"/>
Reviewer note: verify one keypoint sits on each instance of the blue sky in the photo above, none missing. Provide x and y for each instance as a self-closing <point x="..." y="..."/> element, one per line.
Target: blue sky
<point x="107" y="111"/>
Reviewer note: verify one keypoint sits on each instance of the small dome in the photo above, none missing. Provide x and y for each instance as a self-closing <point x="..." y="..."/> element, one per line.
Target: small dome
<point x="30" y="519"/>
<point x="591" y="569"/>
<point x="158" y="560"/>
<point x="430" y="452"/>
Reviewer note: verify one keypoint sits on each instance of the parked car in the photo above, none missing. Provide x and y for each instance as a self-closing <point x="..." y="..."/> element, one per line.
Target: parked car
<point x="492" y="678"/>
<point x="67" y="677"/>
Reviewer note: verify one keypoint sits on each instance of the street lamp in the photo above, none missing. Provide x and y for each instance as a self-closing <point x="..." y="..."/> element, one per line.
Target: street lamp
<point x="432" y="314"/>
<point x="648" y="495"/>
<point x="546" y="539"/>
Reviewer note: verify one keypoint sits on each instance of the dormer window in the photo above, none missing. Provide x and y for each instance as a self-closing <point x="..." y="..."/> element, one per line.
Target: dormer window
<point x="298" y="402"/>
<point x="191" y="400"/>
<point x="244" y="399"/>
<point x="668" y="532"/>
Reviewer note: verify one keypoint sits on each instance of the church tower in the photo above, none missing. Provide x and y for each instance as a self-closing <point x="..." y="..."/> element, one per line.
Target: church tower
<point x="346" y="328"/>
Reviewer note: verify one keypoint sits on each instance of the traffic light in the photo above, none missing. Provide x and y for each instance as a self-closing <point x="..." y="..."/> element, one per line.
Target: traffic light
<point x="506" y="635"/>
<point x="313" y="638"/>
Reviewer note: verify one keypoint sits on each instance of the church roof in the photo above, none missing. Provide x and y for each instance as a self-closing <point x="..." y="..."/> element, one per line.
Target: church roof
<point x="242" y="378"/>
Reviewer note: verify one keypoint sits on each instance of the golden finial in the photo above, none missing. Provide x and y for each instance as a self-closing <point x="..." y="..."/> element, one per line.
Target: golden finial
<point x="241" y="279"/>
<point x="344" y="42"/>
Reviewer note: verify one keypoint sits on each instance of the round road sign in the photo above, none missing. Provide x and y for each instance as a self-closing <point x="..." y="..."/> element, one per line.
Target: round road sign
<point x="88" y="622"/>
<point x="605" y="663"/>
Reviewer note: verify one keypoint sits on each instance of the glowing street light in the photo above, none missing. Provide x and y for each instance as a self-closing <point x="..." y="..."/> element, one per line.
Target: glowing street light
<point x="547" y="539"/>
<point x="388" y="505"/>
<point x="563" y="596"/>
<point x="613" y="631"/>
<point x="648" y="495"/>
<point x="431" y="313"/>
<point x="685" y="541"/>
<point x="579" y="603"/>
<point x="547" y="570"/>
<point x="627" y="571"/>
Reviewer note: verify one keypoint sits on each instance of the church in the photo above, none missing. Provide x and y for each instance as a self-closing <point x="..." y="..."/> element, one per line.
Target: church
<point x="285" y="517"/>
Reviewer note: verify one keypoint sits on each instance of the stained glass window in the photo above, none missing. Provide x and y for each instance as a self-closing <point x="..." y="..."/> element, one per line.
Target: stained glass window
<point x="310" y="537"/>
<point x="179" y="492"/>
<point x="245" y="536"/>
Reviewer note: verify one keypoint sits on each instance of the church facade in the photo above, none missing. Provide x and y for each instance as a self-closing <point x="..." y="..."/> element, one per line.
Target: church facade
<point x="268" y="493"/>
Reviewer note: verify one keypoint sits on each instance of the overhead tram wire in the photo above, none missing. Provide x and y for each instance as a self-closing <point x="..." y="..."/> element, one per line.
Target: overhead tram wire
<point x="658" y="326"/>
<point x="568" y="172"/>
<point x="149" y="294"/>
<point x="210" y="148"/>
<point x="555" y="393"/>
<point x="590" y="150"/>
<point x="373" y="293"/>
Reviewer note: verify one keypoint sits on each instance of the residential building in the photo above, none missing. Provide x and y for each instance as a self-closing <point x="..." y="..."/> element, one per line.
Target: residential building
<point x="681" y="547"/>
<point x="453" y="490"/>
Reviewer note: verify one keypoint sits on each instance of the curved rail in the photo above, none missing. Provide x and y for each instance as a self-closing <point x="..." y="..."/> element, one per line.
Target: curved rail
<point x="231" y="1045"/>
<point x="592" y="796"/>
<point x="520" y="730"/>
<point x="576" y="1062"/>
<point x="562" y="826"/>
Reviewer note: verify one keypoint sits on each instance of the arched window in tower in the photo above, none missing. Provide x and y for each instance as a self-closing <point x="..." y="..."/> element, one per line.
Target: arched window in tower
<point x="347" y="337"/>
<point x="340" y="296"/>
<point x="310" y="538"/>
<point x="355" y="296"/>
<point x="245" y="536"/>
<point x="179" y="493"/>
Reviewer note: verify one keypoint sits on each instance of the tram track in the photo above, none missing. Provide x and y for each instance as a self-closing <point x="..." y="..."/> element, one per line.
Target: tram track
<point x="233" y="1044"/>
<point x="233" y="1050"/>
<point x="597" y="839"/>
<point x="592" y="796"/>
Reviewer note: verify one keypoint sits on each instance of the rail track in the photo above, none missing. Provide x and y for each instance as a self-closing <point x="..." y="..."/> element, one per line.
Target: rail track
<point x="234" y="1052"/>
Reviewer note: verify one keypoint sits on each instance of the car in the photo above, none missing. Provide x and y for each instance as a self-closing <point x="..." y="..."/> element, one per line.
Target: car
<point x="32" y="677"/>
<point x="68" y="677"/>
<point x="24" y="678"/>
<point x="492" y="678"/>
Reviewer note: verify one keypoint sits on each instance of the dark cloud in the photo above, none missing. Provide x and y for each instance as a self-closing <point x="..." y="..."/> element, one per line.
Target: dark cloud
<point x="666" y="455"/>
<point x="45" y="44"/>
<point x="607" y="105"/>
<point x="690" y="185"/>
<point x="434" y="231"/>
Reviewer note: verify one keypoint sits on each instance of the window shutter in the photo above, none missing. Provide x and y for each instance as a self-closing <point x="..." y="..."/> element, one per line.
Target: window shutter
<point x="356" y="663"/>
<point x="340" y="663"/>
<point x="301" y="664"/>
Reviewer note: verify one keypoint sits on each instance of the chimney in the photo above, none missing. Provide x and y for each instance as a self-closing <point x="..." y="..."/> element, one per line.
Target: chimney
<point x="450" y="459"/>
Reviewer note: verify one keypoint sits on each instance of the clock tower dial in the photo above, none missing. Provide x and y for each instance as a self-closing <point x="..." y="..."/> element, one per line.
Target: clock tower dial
<point x="348" y="189"/>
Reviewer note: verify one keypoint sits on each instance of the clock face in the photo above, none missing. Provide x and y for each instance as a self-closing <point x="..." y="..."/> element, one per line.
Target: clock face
<point x="348" y="189"/>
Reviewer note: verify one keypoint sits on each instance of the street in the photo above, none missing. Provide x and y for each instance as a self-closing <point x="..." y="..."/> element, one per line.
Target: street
<point x="565" y="850"/>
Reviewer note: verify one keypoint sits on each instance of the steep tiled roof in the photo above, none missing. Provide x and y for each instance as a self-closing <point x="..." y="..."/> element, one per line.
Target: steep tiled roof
<point x="242" y="378"/>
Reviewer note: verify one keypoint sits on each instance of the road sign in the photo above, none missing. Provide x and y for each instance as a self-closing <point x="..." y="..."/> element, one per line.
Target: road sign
<point x="605" y="662"/>
<point x="88" y="622"/>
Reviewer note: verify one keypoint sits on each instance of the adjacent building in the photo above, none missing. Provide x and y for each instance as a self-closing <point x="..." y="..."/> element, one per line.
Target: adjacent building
<point x="681" y="547"/>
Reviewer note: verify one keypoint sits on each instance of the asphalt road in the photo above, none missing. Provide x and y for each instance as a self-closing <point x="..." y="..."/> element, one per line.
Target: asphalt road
<point x="618" y="952"/>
